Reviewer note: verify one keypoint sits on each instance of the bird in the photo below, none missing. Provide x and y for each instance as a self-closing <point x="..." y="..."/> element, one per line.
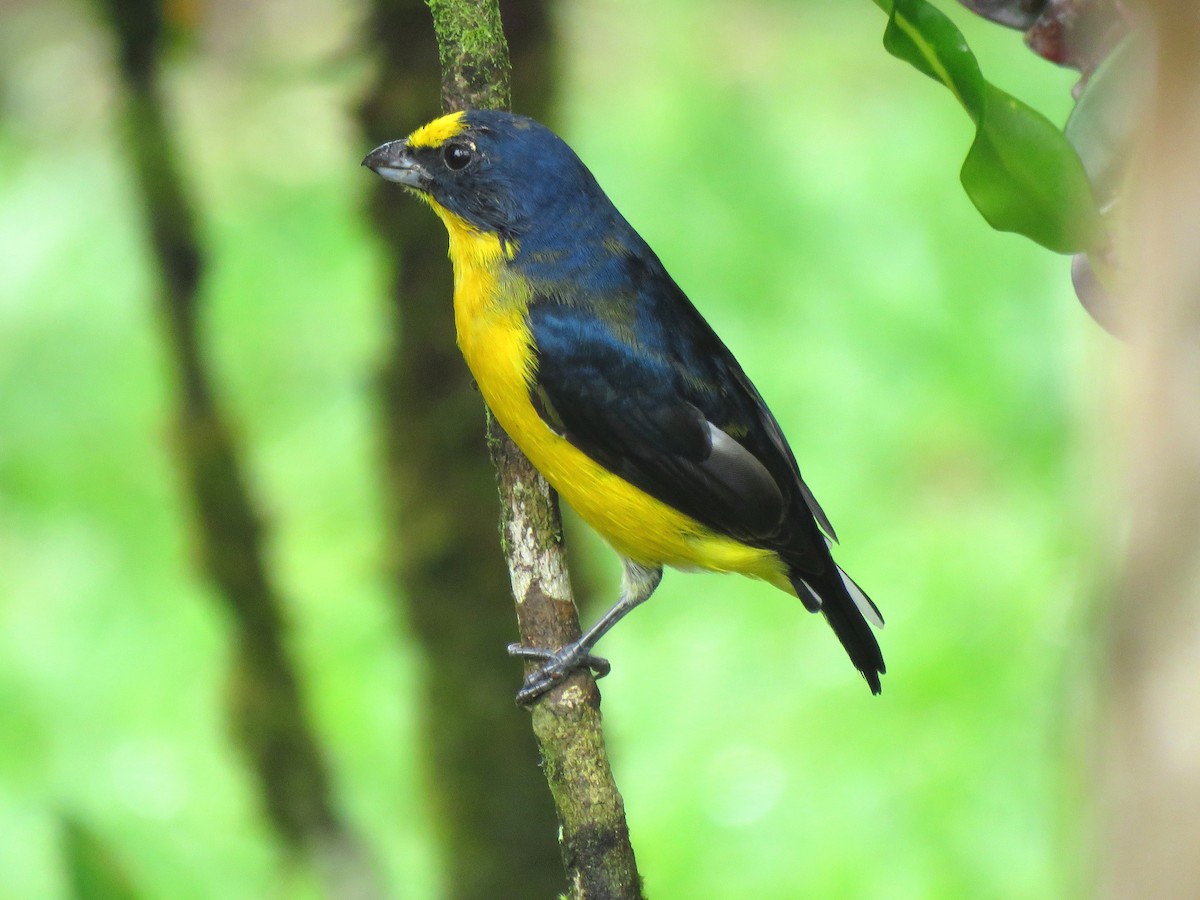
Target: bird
<point x="609" y="380"/>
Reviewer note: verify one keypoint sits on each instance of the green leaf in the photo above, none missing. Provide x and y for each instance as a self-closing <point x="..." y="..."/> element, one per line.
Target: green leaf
<point x="1021" y="172"/>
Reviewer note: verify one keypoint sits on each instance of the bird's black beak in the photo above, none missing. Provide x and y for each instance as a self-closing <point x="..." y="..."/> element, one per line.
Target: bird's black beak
<point x="393" y="162"/>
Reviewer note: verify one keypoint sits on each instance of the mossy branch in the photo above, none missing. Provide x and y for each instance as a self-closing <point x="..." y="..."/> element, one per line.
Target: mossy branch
<point x="473" y="53"/>
<point x="494" y="819"/>
<point x="595" y="843"/>
<point x="566" y="721"/>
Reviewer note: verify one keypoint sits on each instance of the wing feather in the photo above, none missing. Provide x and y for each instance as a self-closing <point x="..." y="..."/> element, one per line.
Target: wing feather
<point x="672" y="416"/>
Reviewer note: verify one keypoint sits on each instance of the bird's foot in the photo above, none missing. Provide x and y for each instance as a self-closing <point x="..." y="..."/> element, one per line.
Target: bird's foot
<point x="556" y="665"/>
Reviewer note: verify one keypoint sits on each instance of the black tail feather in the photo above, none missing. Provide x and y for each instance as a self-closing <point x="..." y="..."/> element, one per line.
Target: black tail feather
<point x="850" y="626"/>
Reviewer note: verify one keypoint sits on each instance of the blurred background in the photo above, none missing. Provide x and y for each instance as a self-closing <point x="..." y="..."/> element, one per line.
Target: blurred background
<point x="936" y="380"/>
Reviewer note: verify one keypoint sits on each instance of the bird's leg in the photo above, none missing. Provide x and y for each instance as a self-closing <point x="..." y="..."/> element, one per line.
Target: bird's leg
<point x="637" y="584"/>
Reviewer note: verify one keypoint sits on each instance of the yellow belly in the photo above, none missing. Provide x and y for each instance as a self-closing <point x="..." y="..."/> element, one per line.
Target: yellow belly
<point x="496" y="343"/>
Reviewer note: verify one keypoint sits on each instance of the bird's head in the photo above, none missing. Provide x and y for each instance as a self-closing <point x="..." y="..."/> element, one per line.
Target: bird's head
<point x="499" y="172"/>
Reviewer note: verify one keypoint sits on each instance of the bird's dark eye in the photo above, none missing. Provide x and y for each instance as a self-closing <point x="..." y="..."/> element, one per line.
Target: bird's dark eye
<point x="456" y="156"/>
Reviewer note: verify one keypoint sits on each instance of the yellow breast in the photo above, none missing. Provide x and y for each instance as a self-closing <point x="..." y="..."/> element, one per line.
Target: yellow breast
<point x="493" y="334"/>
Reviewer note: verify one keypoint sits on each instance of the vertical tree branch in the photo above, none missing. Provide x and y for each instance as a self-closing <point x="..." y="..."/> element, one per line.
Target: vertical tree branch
<point x="267" y="711"/>
<point x="1151" y="740"/>
<point x="494" y="816"/>
<point x="594" y="836"/>
<point x="595" y="843"/>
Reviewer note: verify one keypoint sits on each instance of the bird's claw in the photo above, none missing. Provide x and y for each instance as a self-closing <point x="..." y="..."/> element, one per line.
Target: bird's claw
<point x="556" y="665"/>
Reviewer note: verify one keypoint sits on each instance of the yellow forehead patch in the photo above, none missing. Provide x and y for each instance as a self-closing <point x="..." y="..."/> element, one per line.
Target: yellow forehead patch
<point x="438" y="131"/>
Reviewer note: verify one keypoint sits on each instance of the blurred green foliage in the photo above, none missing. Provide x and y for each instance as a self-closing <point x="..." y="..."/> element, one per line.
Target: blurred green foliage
<point x="92" y="870"/>
<point x="801" y="185"/>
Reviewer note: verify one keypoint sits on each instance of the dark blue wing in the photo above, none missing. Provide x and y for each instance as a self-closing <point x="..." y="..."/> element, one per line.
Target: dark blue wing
<point x="638" y="381"/>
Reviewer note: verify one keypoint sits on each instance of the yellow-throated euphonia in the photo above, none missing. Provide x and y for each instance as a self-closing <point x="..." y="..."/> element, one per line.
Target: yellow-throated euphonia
<point x="605" y="375"/>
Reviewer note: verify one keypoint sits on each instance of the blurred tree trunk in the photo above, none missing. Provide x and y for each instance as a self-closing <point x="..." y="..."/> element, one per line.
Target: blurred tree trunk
<point x="1151" y="739"/>
<point x="266" y="707"/>
<point x="497" y="820"/>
